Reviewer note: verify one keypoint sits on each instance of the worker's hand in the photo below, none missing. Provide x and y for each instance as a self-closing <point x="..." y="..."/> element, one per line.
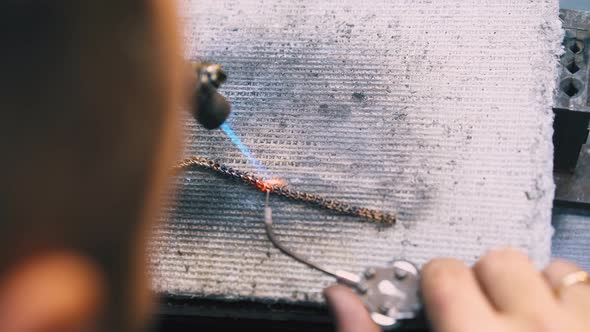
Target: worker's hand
<point x="504" y="292"/>
<point x="348" y="310"/>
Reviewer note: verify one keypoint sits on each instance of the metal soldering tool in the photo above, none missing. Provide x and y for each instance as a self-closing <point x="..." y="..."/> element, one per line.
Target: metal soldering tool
<point x="209" y="107"/>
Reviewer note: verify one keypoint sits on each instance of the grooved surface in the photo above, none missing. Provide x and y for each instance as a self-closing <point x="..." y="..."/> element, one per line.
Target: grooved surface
<point x="572" y="235"/>
<point x="438" y="110"/>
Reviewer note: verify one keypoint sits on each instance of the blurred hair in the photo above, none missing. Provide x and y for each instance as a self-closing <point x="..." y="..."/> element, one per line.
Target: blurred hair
<point x="83" y="95"/>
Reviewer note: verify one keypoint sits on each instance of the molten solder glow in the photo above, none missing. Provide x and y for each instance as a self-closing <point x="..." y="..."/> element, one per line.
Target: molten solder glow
<point x="260" y="169"/>
<point x="268" y="185"/>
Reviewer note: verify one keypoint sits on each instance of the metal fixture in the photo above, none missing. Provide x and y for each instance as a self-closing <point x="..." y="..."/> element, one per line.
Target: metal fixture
<point x="571" y="137"/>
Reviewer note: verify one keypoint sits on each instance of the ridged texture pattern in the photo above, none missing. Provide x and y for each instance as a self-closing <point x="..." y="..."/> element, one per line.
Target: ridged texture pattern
<point x="572" y="235"/>
<point x="439" y="111"/>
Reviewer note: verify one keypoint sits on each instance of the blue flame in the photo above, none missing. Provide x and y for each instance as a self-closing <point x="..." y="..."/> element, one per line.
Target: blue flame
<point x="261" y="170"/>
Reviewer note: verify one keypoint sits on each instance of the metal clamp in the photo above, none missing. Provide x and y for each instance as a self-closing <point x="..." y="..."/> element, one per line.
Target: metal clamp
<point x="390" y="293"/>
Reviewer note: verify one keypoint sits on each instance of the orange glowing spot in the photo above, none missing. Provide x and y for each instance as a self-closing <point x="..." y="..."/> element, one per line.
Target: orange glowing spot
<point x="269" y="185"/>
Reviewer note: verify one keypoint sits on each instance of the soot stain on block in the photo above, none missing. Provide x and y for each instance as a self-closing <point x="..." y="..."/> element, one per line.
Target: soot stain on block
<point x="359" y="96"/>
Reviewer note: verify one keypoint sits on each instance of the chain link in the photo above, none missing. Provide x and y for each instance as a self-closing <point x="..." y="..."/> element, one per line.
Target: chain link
<point x="282" y="190"/>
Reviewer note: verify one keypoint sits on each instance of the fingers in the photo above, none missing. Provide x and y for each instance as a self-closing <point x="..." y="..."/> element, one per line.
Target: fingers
<point x="454" y="301"/>
<point x="512" y="283"/>
<point x="575" y="297"/>
<point x="349" y="311"/>
<point x="504" y="292"/>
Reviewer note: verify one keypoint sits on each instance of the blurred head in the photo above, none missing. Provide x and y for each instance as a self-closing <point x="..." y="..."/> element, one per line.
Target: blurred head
<point x="89" y="98"/>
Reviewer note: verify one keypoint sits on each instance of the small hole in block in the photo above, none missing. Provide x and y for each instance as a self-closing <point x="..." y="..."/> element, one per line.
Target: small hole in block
<point x="572" y="67"/>
<point x="570" y="86"/>
<point x="576" y="46"/>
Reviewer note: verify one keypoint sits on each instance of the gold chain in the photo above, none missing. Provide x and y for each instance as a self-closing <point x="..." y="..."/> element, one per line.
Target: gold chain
<point x="281" y="189"/>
